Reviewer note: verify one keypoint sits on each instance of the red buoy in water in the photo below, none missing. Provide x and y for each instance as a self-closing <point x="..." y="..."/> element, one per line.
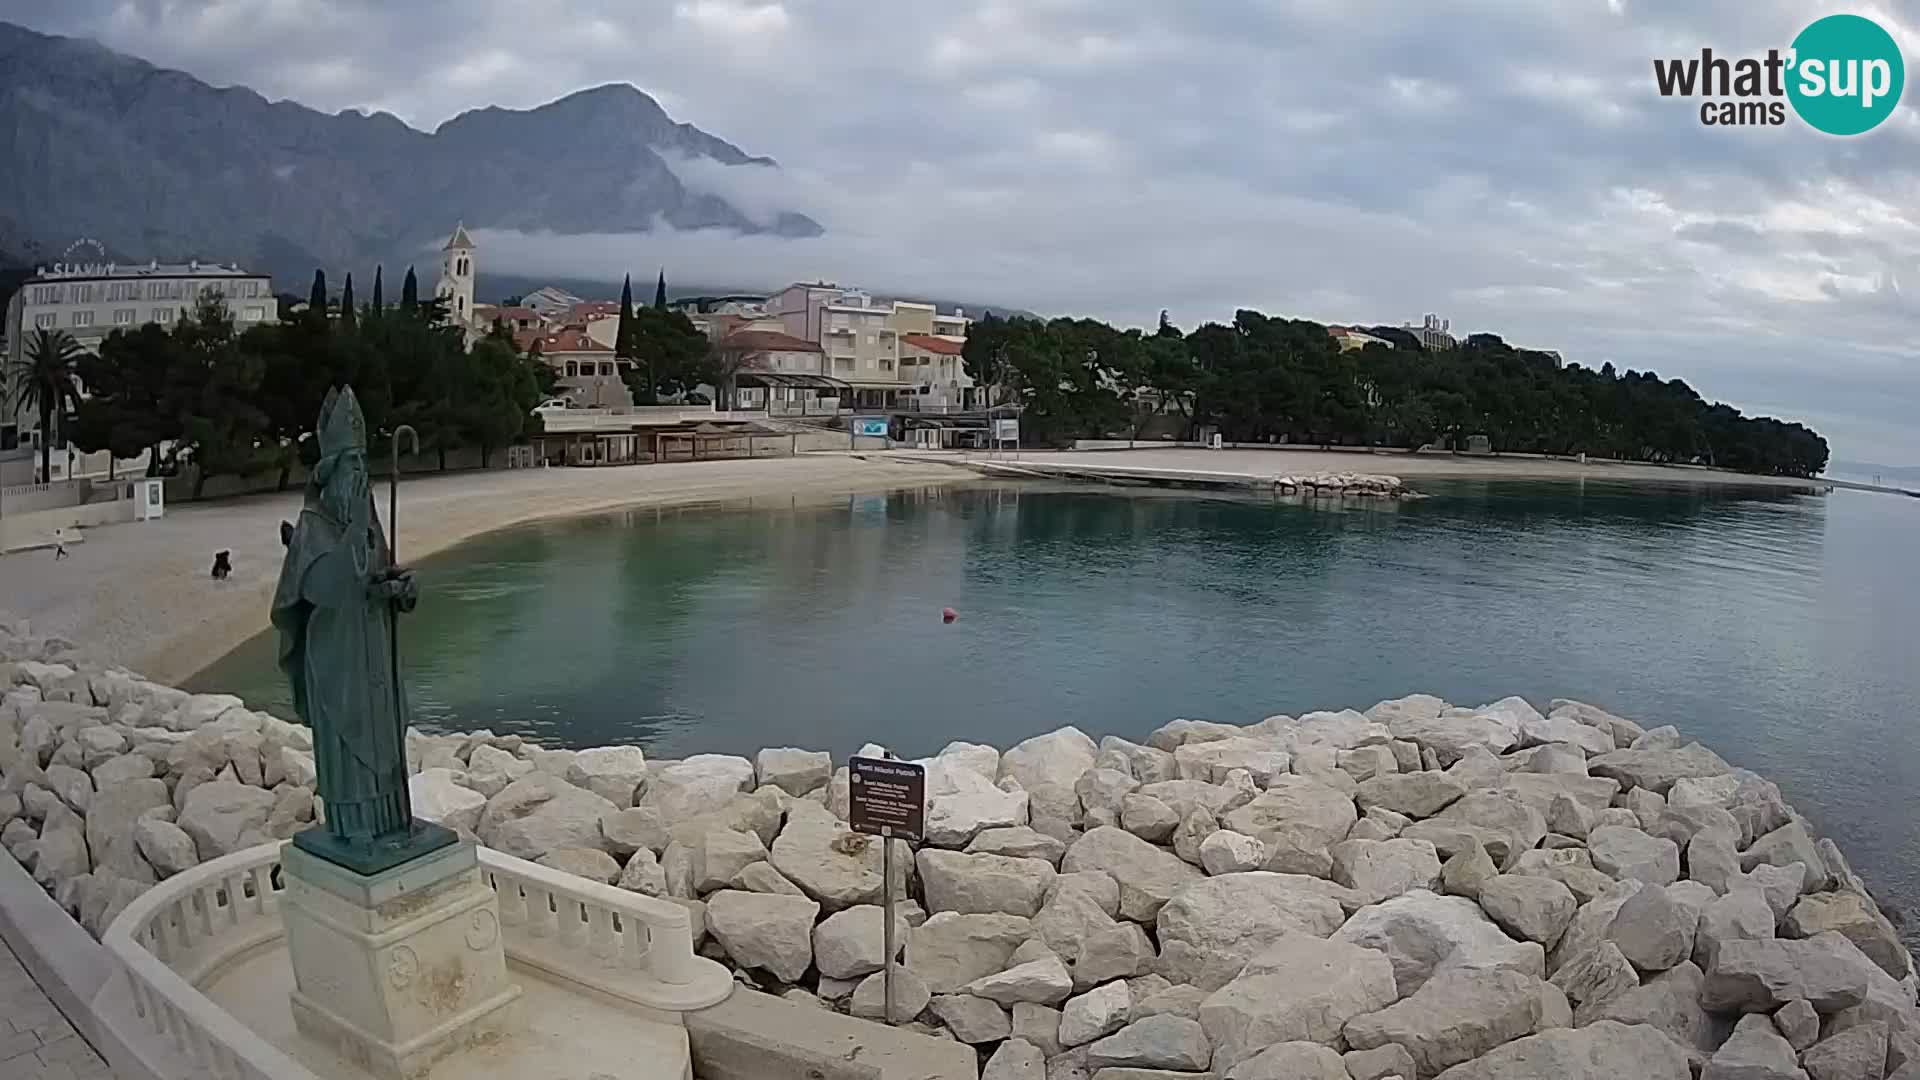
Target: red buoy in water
<point x="947" y="615"/>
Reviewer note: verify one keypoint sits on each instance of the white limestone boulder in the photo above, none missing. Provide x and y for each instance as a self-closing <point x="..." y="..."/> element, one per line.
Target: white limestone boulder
<point x="763" y="930"/>
<point x="633" y="829"/>
<point x="961" y="804"/>
<point x="869" y="999"/>
<point x="983" y="884"/>
<point x="1298" y="988"/>
<point x="1600" y="1051"/>
<point x="1652" y="931"/>
<point x="972" y="1020"/>
<point x="1498" y="820"/>
<point x="539" y="813"/>
<point x="1095" y="1014"/>
<point x="110" y="821"/>
<point x="225" y="816"/>
<point x="951" y="950"/>
<point x="1755" y="1051"/>
<point x="1529" y="908"/>
<point x="490" y="769"/>
<point x="1017" y="841"/>
<point x="697" y="785"/>
<point x="1424" y="934"/>
<point x="1045" y="981"/>
<point x="793" y="770"/>
<point x="1229" y="852"/>
<point x="165" y="846"/>
<point x="1209" y="928"/>
<point x="1849" y="914"/>
<point x="830" y="862"/>
<point x="1381" y="869"/>
<point x="1454" y="1017"/>
<point x="1761" y="976"/>
<point x="1416" y="794"/>
<point x="1158" y="1042"/>
<point x="439" y="797"/>
<point x="1047" y="768"/>
<point x="1630" y="853"/>
<point x="614" y="773"/>
<point x="719" y="855"/>
<point x="1298" y="804"/>
<point x="1211" y="761"/>
<point x="1657" y="770"/>
<point x="1149" y="876"/>
<point x="852" y="943"/>
<point x="590" y="863"/>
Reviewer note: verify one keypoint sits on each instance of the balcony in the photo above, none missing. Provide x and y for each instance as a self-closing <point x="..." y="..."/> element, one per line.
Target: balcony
<point x="202" y="976"/>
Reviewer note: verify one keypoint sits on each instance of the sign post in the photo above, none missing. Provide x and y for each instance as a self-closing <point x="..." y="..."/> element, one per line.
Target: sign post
<point x="887" y="798"/>
<point x="1006" y="430"/>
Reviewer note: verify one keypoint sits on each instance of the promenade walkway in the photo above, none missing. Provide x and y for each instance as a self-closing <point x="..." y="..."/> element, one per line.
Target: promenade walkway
<point x="36" y="1042"/>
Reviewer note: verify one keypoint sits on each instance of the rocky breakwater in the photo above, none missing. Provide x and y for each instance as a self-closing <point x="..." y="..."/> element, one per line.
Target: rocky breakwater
<point x="1345" y="485"/>
<point x="1414" y="891"/>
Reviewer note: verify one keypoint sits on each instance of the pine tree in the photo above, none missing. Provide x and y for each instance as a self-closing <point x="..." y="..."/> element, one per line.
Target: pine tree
<point x="379" y="301"/>
<point x="623" y="335"/>
<point x="660" y="292"/>
<point x="348" y="316"/>
<point x="409" y="293"/>
<point x="317" y="297"/>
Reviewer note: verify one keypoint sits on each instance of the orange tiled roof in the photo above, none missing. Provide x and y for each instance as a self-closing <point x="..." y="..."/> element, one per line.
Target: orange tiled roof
<point x="933" y="344"/>
<point x="570" y="339"/>
<point x="767" y="341"/>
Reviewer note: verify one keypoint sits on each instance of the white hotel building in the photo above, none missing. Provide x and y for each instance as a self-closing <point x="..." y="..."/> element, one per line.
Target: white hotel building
<point x="90" y="300"/>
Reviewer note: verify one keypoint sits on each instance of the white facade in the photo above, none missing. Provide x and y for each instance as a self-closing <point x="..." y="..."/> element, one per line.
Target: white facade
<point x="90" y="301"/>
<point x="1434" y="333"/>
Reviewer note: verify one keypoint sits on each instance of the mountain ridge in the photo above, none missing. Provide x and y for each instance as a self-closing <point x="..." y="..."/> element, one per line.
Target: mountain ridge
<point x="157" y="163"/>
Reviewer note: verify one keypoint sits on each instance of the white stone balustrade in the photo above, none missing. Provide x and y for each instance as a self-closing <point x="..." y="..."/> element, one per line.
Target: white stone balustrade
<point x="637" y="948"/>
<point x="183" y="931"/>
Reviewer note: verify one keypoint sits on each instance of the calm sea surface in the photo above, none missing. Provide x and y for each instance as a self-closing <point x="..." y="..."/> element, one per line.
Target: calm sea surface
<point x="1782" y="630"/>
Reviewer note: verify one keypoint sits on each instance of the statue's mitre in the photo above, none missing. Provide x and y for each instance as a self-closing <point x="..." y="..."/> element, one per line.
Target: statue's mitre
<point x="342" y="426"/>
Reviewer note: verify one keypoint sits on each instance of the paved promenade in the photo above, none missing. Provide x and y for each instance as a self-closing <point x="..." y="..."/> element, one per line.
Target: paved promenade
<point x="36" y="1042"/>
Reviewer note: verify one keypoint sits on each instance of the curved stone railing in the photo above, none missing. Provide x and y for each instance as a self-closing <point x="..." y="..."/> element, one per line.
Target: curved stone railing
<point x="637" y="948"/>
<point x="184" y="930"/>
<point x="177" y="933"/>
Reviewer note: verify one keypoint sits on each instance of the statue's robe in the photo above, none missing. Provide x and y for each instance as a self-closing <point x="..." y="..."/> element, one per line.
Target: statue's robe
<point x="336" y="628"/>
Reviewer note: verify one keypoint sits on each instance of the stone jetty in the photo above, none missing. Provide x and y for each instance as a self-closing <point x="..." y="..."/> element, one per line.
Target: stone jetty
<point x="1413" y="891"/>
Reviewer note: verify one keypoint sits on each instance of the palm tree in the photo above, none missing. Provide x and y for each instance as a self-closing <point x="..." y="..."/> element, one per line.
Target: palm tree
<point x="45" y="381"/>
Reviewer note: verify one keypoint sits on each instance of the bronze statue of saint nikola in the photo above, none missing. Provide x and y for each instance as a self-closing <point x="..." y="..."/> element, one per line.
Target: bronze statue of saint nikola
<point x="336" y="608"/>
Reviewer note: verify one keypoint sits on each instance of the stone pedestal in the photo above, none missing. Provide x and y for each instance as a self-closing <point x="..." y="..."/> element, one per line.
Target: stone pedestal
<point x="398" y="969"/>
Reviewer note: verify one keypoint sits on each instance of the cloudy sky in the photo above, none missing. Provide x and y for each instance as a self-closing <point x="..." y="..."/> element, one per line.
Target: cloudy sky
<point x="1504" y="163"/>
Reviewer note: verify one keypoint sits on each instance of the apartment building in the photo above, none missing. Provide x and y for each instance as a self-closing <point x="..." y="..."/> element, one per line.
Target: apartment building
<point x="860" y="339"/>
<point x="88" y="301"/>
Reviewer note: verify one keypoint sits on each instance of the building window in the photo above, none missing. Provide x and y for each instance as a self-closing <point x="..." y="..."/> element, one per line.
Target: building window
<point x="257" y="313"/>
<point x="44" y="322"/>
<point x="123" y="317"/>
<point x="46" y="294"/>
<point x="83" y="318"/>
<point x="83" y="294"/>
<point x="163" y="314"/>
<point x="156" y="290"/>
<point x="886" y="365"/>
<point x="573" y="370"/>
<point x="9" y="436"/>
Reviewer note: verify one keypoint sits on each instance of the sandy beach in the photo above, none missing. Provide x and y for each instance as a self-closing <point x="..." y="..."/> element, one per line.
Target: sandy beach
<point x="140" y="594"/>
<point x="1282" y="461"/>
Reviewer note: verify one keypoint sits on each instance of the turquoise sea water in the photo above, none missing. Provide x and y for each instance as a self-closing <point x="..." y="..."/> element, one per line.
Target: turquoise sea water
<point x="1783" y="630"/>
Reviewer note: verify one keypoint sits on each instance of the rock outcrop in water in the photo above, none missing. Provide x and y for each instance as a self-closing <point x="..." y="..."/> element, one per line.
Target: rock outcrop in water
<point x="1415" y="891"/>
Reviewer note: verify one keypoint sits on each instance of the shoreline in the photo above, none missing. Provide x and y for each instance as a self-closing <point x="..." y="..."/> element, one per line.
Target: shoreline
<point x="1280" y="460"/>
<point x="139" y="595"/>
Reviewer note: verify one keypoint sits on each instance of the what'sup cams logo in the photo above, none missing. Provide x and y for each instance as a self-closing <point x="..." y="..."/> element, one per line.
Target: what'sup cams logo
<point x="1843" y="75"/>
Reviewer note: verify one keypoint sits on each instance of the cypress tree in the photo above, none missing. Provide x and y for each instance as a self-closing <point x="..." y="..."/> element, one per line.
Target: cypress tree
<point x="317" y="296"/>
<point x="623" y="335"/>
<point x="409" y="293"/>
<point x="347" y="314"/>
<point x="379" y="301"/>
<point x="660" y="291"/>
